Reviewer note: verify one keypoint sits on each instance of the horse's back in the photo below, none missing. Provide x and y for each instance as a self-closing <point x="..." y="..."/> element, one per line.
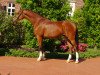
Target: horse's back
<point x="52" y="29"/>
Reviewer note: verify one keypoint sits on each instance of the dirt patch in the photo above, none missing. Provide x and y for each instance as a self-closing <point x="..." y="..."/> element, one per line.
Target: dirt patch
<point x="29" y="66"/>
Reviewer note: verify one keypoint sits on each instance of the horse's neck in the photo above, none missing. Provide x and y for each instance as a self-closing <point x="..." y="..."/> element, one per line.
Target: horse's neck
<point x="32" y="17"/>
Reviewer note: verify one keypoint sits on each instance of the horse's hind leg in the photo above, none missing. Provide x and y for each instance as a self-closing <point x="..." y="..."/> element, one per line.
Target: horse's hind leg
<point x="70" y="54"/>
<point x="77" y="57"/>
<point x="73" y="48"/>
<point x="69" y="58"/>
<point x="76" y="53"/>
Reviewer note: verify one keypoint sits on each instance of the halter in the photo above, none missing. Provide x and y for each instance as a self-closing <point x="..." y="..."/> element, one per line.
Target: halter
<point x="18" y="16"/>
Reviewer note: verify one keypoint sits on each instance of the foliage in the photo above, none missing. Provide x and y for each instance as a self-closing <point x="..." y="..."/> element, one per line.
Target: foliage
<point x="52" y="45"/>
<point x="51" y="9"/>
<point x="90" y="53"/>
<point x="88" y="20"/>
<point x="21" y="53"/>
<point x="29" y="39"/>
<point x="3" y="51"/>
<point x="9" y="34"/>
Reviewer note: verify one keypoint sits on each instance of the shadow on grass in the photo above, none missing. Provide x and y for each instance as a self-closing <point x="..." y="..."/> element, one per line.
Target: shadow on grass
<point x="55" y="55"/>
<point x="62" y="56"/>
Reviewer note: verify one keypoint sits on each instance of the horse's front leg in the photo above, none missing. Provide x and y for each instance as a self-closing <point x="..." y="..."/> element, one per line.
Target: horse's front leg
<point x="41" y="51"/>
<point x="40" y="56"/>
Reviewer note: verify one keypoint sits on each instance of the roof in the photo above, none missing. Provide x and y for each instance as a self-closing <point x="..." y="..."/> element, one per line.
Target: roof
<point x="79" y="3"/>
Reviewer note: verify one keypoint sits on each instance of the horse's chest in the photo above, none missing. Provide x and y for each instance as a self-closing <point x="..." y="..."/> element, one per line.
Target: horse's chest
<point x="39" y="30"/>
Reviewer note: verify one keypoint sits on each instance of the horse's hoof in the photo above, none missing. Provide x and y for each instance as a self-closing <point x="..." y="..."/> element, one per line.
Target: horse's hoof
<point x="76" y="62"/>
<point x="43" y="59"/>
<point x="68" y="61"/>
<point x="38" y="59"/>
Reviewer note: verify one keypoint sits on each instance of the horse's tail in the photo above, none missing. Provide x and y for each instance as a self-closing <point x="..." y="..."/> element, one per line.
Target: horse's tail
<point x="77" y="39"/>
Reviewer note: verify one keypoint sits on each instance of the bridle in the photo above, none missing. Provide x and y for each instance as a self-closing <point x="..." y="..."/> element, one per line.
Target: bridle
<point x="18" y="16"/>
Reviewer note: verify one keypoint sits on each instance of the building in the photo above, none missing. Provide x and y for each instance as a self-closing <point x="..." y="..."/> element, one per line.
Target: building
<point x="10" y="6"/>
<point x="75" y="4"/>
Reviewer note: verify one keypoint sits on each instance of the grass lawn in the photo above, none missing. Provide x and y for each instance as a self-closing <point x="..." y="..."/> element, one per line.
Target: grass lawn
<point x="90" y="53"/>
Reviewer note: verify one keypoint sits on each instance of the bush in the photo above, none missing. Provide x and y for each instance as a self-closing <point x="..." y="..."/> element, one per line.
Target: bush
<point x="51" y="9"/>
<point x="88" y="20"/>
<point x="10" y="34"/>
<point x="29" y="39"/>
<point x="3" y="51"/>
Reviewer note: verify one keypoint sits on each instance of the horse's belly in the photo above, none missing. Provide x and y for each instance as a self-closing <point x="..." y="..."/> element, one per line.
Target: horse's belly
<point x="52" y="34"/>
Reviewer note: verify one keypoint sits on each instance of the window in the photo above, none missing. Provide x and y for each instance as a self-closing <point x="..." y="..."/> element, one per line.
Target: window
<point x="71" y="12"/>
<point x="11" y="9"/>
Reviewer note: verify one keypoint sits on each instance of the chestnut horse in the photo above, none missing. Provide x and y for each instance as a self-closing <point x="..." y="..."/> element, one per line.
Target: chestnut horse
<point x="44" y="28"/>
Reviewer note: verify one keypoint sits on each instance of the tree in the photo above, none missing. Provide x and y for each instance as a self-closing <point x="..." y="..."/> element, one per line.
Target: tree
<point x="88" y="19"/>
<point x="51" y="9"/>
<point x="9" y="34"/>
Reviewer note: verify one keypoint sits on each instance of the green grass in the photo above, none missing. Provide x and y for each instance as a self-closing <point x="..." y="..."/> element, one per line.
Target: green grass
<point x="90" y="53"/>
<point x="21" y="53"/>
<point x="18" y="53"/>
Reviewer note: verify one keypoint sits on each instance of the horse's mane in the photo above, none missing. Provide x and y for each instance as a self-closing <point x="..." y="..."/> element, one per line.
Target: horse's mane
<point x="33" y="13"/>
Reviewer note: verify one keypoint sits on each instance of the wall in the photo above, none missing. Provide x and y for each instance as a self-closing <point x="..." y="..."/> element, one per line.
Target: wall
<point x="5" y="3"/>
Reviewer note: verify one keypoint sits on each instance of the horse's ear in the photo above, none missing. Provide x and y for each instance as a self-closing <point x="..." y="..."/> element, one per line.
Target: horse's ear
<point x="21" y="9"/>
<point x="18" y="10"/>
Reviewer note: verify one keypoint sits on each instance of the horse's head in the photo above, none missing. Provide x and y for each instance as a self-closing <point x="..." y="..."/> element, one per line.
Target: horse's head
<point x="19" y="16"/>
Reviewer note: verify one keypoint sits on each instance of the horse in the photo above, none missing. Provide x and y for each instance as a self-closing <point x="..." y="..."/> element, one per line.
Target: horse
<point x="45" y="28"/>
